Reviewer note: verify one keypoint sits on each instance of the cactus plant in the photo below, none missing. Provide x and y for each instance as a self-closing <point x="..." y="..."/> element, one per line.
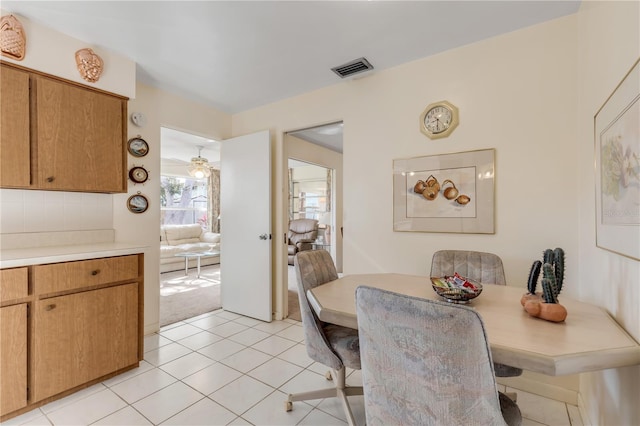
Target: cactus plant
<point x="533" y="276"/>
<point x="552" y="266"/>
<point x="549" y="286"/>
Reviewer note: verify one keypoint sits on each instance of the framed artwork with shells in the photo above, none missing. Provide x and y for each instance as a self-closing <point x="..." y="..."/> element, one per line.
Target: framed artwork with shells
<point x="445" y="193"/>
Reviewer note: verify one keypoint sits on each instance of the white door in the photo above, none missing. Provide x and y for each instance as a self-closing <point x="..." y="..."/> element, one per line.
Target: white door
<point x="245" y="225"/>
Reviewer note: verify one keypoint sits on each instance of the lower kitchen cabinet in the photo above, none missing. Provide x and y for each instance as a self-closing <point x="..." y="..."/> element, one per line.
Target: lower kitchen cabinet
<point x="65" y="326"/>
<point x="13" y="358"/>
<point x="83" y="336"/>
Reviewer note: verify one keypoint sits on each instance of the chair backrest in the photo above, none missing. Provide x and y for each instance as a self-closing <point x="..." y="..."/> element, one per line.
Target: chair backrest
<point x="302" y="229"/>
<point x="485" y="268"/>
<point x="424" y="362"/>
<point x="313" y="268"/>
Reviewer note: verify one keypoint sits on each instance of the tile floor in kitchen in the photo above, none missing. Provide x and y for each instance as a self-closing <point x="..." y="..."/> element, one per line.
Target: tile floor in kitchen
<point x="221" y="368"/>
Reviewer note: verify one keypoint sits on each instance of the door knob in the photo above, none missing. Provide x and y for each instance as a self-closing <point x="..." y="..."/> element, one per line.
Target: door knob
<point x="264" y="236"/>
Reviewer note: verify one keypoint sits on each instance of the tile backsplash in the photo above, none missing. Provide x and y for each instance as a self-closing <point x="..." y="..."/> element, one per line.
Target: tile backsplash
<point x="44" y="211"/>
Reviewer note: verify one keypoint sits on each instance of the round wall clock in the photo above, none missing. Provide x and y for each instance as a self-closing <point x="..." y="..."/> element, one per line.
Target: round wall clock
<point x="138" y="203"/>
<point x="138" y="147"/>
<point x="138" y="174"/>
<point x="439" y="119"/>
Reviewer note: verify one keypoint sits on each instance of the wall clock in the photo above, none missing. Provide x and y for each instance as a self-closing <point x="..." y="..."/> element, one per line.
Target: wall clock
<point x="138" y="174"/>
<point x="439" y="119"/>
<point x="137" y="203"/>
<point x="138" y="147"/>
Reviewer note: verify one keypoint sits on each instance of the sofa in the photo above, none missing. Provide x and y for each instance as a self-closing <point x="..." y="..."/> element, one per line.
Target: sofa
<point x="302" y="232"/>
<point x="186" y="238"/>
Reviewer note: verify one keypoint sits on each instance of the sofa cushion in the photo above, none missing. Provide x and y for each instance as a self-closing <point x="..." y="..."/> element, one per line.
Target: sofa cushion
<point x="182" y="234"/>
<point x="171" y="251"/>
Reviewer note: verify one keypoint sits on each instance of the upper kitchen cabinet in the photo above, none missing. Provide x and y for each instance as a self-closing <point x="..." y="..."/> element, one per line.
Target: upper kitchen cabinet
<point x="15" y="169"/>
<point x="76" y="136"/>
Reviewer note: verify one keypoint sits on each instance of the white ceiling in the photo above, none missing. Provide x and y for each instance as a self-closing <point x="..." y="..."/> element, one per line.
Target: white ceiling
<point x="238" y="55"/>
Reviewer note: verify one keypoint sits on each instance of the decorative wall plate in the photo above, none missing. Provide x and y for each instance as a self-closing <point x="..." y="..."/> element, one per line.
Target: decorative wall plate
<point x="138" y="174"/>
<point x="13" y="41"/>
<point x="89" y="65"/>
<point x="138" y="203"/>
<point x="138" y="147"/>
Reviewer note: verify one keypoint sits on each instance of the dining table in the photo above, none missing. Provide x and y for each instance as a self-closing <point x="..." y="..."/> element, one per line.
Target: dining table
<point x="589" y="339"/>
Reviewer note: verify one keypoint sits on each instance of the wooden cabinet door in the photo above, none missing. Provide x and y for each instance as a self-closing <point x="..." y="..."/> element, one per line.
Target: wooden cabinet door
<point x="13" y="358"/>
<point x="80" y="138"/>
<point x="83" y="336"/>
<point x="15" y="153"/>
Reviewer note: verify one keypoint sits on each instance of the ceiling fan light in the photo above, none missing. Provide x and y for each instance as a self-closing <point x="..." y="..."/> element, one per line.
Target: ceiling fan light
<point x="199" y="167"/>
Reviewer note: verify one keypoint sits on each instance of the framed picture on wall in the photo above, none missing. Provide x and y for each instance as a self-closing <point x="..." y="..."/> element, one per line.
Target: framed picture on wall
<point x="445" y="193"/>
<point x="617" y="168"/>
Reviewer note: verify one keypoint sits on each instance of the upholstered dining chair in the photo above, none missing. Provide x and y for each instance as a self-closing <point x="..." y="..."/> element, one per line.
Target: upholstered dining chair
<point x="329" y="344"/>
<point x="426" y="362"/>
<point x="486" y="268"/>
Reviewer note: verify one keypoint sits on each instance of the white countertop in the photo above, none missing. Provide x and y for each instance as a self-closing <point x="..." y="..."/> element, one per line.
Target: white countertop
<point x="40" y="255"/>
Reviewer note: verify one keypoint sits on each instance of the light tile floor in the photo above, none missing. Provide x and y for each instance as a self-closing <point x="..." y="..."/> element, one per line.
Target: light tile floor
<point x="221" y="368"/>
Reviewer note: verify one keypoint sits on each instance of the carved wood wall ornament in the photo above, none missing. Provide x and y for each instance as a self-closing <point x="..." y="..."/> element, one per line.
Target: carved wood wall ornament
<point x="13" y="40"/>
<point x="89" y="65"/>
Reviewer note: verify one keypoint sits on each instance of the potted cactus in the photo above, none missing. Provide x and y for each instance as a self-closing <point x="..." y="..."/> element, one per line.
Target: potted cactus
<point x="545" y="305"/>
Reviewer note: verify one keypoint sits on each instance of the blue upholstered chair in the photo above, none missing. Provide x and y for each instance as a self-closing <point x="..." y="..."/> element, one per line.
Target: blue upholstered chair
<point x="426" y="362"/>
<point x="486" y="268"/>
<point x="331" y="345"/>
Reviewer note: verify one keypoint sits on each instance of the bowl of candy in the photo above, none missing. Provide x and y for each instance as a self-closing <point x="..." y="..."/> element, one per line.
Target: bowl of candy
<point x="455" y="288"/>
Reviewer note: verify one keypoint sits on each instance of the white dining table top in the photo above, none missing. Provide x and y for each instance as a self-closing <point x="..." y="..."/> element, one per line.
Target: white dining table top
<point x="588" y="340"/>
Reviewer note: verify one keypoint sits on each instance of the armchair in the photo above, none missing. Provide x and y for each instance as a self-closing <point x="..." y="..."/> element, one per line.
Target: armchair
<point x="302" y="232"/>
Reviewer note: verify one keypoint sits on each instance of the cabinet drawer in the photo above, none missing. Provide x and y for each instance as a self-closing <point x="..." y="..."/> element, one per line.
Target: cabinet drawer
<point x="84" y="273"/>
<point x="14" y="284"/>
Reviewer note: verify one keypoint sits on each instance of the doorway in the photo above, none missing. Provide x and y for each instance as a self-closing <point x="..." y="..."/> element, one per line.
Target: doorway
<point x="190" y="208"/>
<point x="314" y="177"/>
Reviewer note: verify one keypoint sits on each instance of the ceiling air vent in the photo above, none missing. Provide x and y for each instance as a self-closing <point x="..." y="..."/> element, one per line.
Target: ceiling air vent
<point x="353" y="67"/>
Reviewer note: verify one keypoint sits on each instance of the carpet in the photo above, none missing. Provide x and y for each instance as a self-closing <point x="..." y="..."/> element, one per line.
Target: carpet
<point x="185" y="296"/>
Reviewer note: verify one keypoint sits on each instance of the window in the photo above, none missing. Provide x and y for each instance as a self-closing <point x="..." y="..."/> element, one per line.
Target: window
<point x="184" y="201"/>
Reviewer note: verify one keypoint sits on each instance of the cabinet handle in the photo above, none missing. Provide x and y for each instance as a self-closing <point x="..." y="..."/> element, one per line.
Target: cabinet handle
<point x="50" y="307"/>
<point x="51" y="179"/>
<point x="95" y="272"/>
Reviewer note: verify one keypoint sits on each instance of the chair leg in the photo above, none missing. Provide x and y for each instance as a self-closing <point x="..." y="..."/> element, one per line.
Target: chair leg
<point x="341" y="390"/>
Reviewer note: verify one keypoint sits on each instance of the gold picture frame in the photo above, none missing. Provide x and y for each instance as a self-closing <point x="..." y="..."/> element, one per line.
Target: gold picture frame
<point x="434" y="205"/>
<point x="617" y="168"/>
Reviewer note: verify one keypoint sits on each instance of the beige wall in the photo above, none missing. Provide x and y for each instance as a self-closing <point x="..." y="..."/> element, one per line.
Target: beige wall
<point x="609" y="34"/>
<point x="161" y="109"/>
<point x="516" y="93"/>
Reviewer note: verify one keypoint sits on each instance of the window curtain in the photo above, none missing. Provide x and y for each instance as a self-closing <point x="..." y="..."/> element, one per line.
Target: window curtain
<point x="214" y="200"/>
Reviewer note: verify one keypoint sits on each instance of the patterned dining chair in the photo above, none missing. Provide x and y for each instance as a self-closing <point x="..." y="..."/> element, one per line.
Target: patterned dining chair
<point x="486" y="268"/>
<point x="329" y="344"/>
<point x="426" y="362"/>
